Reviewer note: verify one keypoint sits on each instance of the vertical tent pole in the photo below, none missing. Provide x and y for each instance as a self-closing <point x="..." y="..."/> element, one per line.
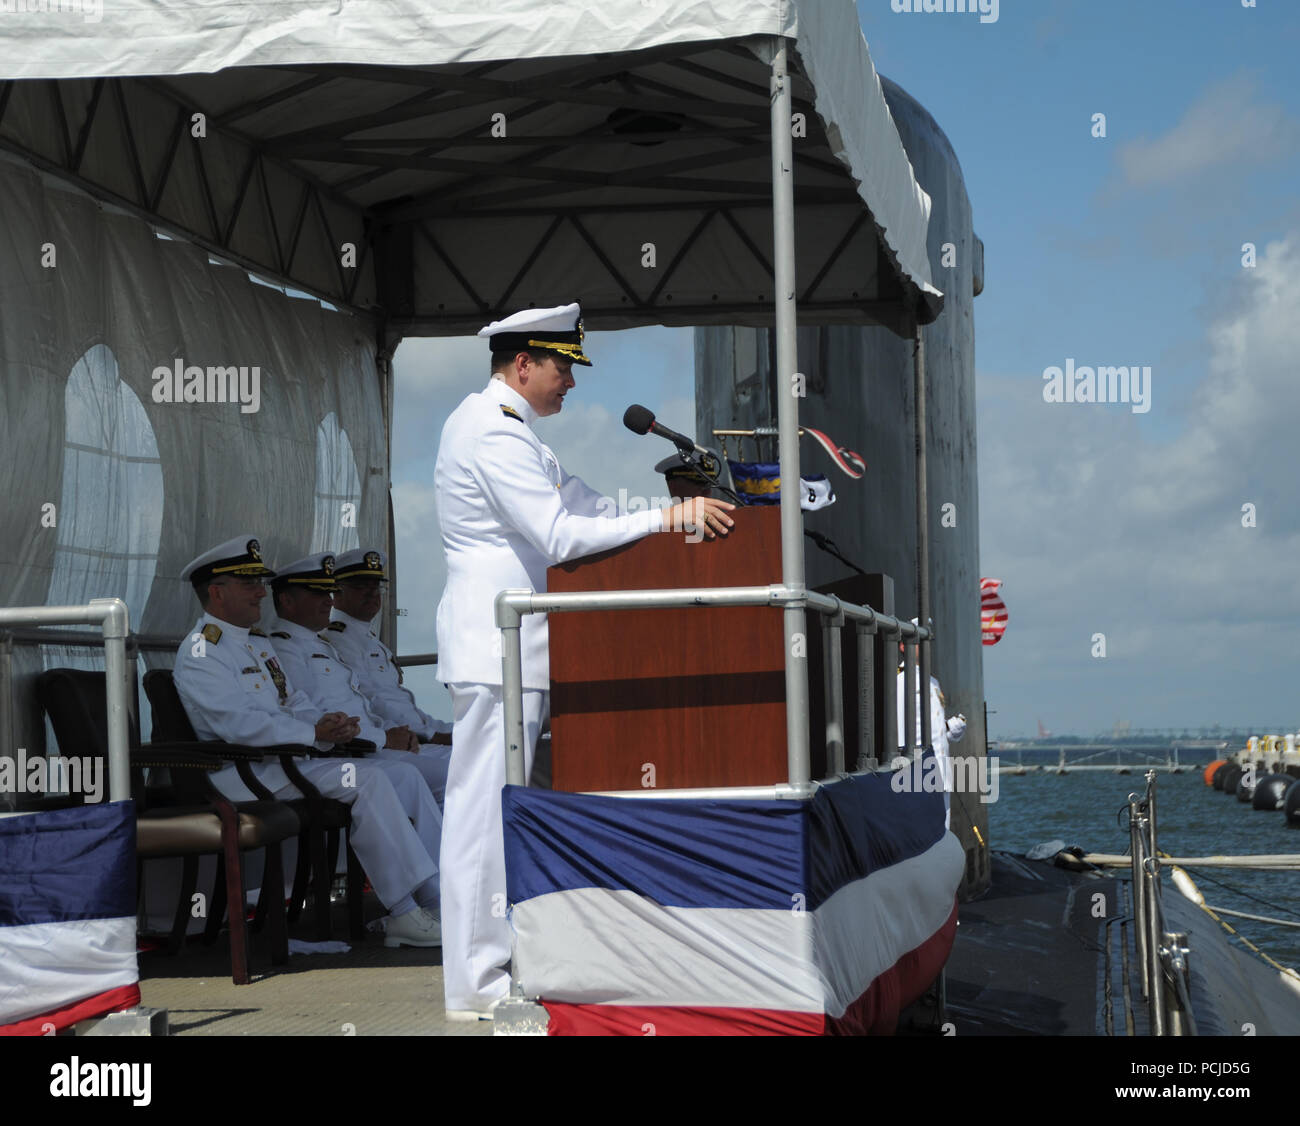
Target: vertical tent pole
<point x="787" y="413"/>
<point x="922" y="537"/>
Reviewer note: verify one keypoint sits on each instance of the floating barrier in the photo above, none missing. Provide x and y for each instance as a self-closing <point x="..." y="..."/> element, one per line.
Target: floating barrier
<point x="1271" y="792"/>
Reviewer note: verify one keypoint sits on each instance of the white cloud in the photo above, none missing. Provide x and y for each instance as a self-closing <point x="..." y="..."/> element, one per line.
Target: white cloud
<point x="1096" y="527"/>
<point x="1225" y="126"/>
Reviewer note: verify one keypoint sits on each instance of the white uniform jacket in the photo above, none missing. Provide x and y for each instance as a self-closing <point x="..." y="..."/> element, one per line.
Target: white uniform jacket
<point x="508" y="511"/>
<point x="942" y="729"/>
<point x="230" y="692"/>
<point x="378" y="678"/>
<point x="314" y="665"/>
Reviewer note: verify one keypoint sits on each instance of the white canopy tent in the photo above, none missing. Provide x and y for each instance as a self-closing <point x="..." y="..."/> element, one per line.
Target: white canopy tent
<point x="483" y="155"/>
<point x="428" y="166"/>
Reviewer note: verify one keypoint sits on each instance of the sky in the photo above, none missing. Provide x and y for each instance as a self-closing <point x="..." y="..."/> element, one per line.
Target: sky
<point x="1172" y="533"/>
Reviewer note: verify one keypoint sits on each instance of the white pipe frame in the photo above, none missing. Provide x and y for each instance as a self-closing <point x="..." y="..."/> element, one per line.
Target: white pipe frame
<point x="111" y="615"/>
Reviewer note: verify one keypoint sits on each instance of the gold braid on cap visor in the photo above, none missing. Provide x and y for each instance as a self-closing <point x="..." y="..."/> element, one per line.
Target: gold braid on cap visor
<point x="573" y="351"/>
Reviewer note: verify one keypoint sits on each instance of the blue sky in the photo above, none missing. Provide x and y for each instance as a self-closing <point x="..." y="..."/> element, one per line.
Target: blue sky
<point x="1117" y="250"/>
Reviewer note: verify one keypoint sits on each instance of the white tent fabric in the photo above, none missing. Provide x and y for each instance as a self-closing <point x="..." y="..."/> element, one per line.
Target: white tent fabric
<point x="112" y="489"/>
<point x="487" y="52"/>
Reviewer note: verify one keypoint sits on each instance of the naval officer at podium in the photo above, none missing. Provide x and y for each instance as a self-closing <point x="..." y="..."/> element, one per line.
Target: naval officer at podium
<point x="508" y="511"/>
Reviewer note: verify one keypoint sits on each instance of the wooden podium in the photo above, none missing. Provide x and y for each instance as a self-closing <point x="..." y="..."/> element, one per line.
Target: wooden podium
<point x="691" y="697"/>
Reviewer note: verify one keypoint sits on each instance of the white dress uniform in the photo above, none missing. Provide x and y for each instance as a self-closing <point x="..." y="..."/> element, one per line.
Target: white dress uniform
<point x="315" y="667"/>
<point x="507" y="511"/>
<point x="233" y="689"/>
<point x="378" y="676"/>
<point x="943" y="731"/>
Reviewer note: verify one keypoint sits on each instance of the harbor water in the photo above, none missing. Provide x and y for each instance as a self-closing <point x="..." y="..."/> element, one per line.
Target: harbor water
<point x="1089" y="809"/>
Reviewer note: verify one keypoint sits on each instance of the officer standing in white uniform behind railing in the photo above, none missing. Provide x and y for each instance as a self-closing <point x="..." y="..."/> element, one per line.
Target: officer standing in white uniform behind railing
<point x="943" y="730"/>
<point x="508" y="511"/>
<point x="359" y="574"/>
<point x="230" y="682"/>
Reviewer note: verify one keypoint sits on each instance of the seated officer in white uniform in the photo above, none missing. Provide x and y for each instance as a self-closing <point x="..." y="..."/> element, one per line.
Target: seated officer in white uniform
<point x="233" y="689"/>
<point x="303" y="594"/>
<point x="943" y="730"/>
<point x="508" y="510"/>
<point x="359" y="574"/>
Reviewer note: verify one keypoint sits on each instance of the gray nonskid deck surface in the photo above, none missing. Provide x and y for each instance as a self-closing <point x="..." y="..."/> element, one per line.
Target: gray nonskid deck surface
<point x="1030" y="957"/>
<point x="369" y="991"/>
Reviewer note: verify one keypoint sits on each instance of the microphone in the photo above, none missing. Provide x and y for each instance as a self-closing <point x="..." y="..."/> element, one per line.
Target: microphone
<point x="641" y="421"/>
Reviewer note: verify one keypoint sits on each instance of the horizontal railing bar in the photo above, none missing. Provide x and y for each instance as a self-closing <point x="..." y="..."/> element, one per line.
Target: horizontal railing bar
<point x="534" y="602"/>
<point x="63" y="638"/>
<point x="778" y="791"/>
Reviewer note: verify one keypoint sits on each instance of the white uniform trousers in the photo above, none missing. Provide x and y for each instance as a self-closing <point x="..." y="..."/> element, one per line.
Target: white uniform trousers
<point x="395" y="821"/>
<point x="433" y="761"/>
<point x="475" y="931"/>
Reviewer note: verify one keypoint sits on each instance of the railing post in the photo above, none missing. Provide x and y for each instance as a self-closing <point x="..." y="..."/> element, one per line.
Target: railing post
<point x="907" y="737"/>
<point x="1138" y="887"/>
<point x="833" y="666"/>
<point x="1175" y="953"/>
<point x="512" y="686"/>
<point x="867" y="760"/>
<point x="117" y="676"/>
<point x="7" y="695"/>
<point x="1155" y="972"/>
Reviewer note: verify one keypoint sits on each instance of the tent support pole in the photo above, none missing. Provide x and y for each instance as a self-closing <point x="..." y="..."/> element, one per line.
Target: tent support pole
<point x="788" y="389"/>
<point x="922" y="535"/>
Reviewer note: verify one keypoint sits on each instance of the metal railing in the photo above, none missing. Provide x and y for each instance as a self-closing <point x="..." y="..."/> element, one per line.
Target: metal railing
<point x="1162" y="954"/>
<point x="513" y="605"/>
<point x="110" y="614"/>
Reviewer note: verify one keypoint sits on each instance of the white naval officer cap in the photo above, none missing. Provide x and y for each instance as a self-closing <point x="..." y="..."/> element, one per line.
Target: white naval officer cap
<point x="553" y="330"/>
<point x="675" y="465"/>
<point x="314" y="572"/>
<point x="241" y="556"/>
<point x="362" y="563"/>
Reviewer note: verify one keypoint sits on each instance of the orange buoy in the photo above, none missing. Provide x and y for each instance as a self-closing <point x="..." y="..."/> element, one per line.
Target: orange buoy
<point x="1209" y="770"/>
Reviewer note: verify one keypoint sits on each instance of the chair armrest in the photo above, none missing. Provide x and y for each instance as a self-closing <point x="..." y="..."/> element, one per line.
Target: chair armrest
<point x="301" y="750"/>
<point x="355" y="749"/>
<point x="227" y="752"/>
<point x="175" y="756"/>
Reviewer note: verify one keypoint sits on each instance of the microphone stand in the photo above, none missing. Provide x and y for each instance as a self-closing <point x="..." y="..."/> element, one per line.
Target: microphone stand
<point x="828" y="546"/>
<point x="695" y="459"/>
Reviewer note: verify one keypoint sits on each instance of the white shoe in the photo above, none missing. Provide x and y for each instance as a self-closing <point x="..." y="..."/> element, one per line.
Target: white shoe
<point x="469" y="1015"/>
<point x="416" y="928"/>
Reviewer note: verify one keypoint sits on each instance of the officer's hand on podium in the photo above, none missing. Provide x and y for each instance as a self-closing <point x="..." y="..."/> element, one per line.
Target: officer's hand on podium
<point x="700" y="513"/>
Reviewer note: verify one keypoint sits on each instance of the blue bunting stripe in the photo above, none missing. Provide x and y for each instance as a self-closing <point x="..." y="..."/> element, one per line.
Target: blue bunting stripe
<point x="717" y="854"/>
<point x="68" y="864"/>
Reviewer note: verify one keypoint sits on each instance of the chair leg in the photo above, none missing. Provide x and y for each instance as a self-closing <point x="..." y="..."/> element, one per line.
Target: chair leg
<point x="271" y="904"/>
<point x="234" y="892"/>
<point x="320" y="879"/>
<point x="217" y="905"/>
<point x="356" y="889"/>
<point x="301" y="872"/>
<point x="181" y="920"/>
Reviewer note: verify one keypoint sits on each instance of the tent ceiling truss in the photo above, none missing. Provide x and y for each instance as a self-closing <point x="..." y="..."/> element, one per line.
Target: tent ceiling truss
<point x="455" y="215"/>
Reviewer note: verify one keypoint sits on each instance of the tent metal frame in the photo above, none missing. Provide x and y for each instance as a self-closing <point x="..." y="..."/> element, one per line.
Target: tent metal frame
<point x="266" y="204"/>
